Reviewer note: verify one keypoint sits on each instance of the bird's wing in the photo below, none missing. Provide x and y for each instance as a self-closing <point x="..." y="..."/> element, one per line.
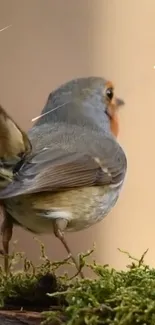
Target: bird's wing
<point x="55" y="169"/>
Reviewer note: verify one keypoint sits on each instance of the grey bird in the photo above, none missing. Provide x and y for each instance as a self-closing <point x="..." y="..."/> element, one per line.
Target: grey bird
<point x="73" y="176"/>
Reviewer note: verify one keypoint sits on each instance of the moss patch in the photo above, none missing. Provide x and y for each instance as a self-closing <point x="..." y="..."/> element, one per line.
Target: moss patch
<point x="113" y="298"/>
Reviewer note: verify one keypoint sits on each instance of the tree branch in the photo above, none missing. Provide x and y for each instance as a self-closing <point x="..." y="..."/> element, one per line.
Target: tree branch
<point x="20" y="318"/>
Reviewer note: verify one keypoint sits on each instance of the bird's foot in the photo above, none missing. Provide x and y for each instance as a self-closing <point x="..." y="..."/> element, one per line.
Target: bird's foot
<point x="58" y="226"/>
<point x="6" y="231"/>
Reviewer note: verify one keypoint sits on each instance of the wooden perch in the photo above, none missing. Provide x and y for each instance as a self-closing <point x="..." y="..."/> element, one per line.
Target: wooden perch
<point x="20" y="318"/>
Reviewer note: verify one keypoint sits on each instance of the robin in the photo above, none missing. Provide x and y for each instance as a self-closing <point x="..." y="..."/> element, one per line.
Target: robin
<point x="73" y="176"/>
<point x="14" y="145"/>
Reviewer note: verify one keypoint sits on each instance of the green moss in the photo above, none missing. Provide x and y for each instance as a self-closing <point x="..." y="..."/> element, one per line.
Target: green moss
<point x="112" y="298"/>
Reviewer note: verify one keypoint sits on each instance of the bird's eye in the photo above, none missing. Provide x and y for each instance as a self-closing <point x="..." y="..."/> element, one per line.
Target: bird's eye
<point x="110" y="93"/>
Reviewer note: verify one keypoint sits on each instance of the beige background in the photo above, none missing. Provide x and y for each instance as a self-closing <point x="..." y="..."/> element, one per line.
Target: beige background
<point x="54" y="40"/>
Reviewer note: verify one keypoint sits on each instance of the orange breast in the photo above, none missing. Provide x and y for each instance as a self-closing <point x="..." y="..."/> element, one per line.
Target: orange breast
<point x="113" y="115"/>
<point x="114" y="124"/>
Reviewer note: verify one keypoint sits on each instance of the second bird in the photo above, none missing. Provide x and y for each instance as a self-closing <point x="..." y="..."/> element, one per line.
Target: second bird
<point x="73" y="176"/>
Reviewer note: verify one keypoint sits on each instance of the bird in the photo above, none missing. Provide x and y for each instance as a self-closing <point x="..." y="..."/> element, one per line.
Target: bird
<point x="14" y="146"/>
<point x="73" y="175"/>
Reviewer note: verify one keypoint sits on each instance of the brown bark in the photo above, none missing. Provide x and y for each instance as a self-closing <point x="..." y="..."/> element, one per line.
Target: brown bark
<point x="20" y="318"/>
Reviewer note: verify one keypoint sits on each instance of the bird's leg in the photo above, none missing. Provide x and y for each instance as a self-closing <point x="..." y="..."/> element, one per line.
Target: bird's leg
<point x="59" y="226"/>
<point x="6" y="231"/>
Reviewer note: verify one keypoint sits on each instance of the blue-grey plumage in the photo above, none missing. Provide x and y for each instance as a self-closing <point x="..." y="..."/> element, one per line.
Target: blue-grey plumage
<point x="76" y="169"/>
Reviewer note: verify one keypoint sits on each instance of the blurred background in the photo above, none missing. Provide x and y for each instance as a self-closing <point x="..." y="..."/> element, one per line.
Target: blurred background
<point x="53" y="41"/>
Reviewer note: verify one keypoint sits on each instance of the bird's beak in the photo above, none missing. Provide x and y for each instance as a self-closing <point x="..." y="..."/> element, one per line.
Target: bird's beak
<point x="119" y="102"/>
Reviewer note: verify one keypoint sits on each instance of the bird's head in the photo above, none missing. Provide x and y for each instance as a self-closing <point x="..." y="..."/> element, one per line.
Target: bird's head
<point x="89" y="100"/>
